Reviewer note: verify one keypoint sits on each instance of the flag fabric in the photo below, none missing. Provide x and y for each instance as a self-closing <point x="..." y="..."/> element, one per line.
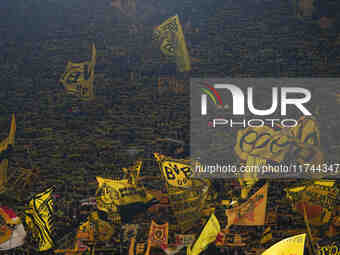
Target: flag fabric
<point x="158" y="236"/>
<point x="207" y="236"/>
<point x="301" y="141"/>
<point x="252" y="212"/>
<point x="6" y="146"/>
<point x="292" y="245"/>
<point x="170" y="34"/>
<point x="13" y="237"/>
<point x="40" y="219"/>
<point x="187" y="204"/>
<point x="318" y="199"/>
<point x="177" y="173"/>
<point x="123" y="197"/>
<point x="78" y="77"/>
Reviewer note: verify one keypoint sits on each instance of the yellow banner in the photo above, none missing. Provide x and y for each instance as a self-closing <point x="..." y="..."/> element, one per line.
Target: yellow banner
<point x="4" y="150"/>
<point x="251" y="212"/>
<point x="113" y="193"/>
<point x="302" y="141"/>
<point x="78" y="77"/>
<point x="39" y="218"/>
<point x="294" y="245"/>
<point x="207" y="236"/>
<point x="171" y="36"/>
<point x="176" y="173"/>
<point x="318" y="198"/>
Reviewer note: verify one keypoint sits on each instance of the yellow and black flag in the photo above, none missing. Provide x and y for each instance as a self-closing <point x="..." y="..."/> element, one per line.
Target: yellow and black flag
<point x="6" y="146"/>
<point x="40" y="219"/>
<point x="78" y="77"/>
<point x="176" y="172"/>
<point x="120" y="196"/>
<point x="171" y="37"/>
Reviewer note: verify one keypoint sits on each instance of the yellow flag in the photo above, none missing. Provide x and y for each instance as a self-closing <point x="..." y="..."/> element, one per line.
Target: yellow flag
<point x="207" y="236"/>
<point x="40" y="219"/>
<point x="301" y="141"/>
<point x="4" y="151"/>
<point x="294" y="245"/>
<point x="11" y="137"/>
<point x="112" y="194"/>
<point x="170" y="34"/>
<point x="177" y="173"/>
<point x="78" y="77"/>
<point x="252" y="212"/>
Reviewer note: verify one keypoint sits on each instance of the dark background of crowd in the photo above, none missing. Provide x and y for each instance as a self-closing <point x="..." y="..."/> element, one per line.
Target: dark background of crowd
<point x="70" y="141"/>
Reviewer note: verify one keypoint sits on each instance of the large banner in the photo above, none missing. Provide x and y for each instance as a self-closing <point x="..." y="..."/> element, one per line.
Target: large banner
<point x="265" y="142"/>
<point x="319" y="199"/>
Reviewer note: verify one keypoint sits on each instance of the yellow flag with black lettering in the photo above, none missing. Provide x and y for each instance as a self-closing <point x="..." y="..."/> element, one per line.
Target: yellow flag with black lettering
<point x="301" y="142"/>
<point x="120" y="196"/>
<point x="6" y="146"/>
<point x="292" y="245"/>
<point x="40" y="219"/>
<point x="170" y="34"/>
<point x="207" y="236"/>
<point x="177" y="173"/>
<point x="78" y="77"/>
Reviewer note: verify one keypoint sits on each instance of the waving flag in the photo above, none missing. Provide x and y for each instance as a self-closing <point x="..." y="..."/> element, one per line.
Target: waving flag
<point x="171" y="37"/>
<point x="177" y="173"/>
<point x="121" y="196"/>
<point x="207" y="236"/>
<point x="40" y="219"/>
<point x="78" y="77"/>
<point x="6" y="146"/>
<point x="294" y="245"/>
